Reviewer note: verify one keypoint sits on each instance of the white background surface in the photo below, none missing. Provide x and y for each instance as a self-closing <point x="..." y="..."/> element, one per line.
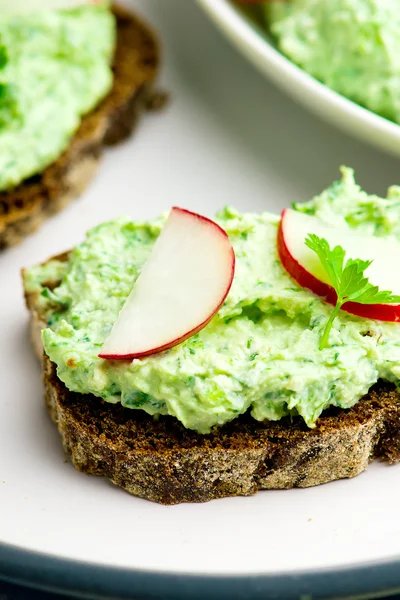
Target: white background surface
<point x="228" y="136"/>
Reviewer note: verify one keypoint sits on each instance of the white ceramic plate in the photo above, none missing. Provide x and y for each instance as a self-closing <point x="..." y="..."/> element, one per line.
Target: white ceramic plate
<point x="255" y="44"/>
<point x="59" y="528"/>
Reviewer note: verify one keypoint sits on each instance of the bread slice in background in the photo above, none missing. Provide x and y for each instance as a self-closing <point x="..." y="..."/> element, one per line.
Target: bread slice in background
<point x="135" y="67"/>
<point x="160" y="460"/>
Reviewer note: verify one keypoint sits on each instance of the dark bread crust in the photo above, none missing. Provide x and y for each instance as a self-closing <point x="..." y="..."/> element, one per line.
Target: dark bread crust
<point x="162" y="461"/>
<point x="135" y="67"/>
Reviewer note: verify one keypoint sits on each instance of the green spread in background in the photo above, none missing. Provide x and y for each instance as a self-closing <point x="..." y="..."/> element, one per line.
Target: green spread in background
<point x="54" y="68"/>
<point x="353" y="46"/>
<point x="259" y="352"/>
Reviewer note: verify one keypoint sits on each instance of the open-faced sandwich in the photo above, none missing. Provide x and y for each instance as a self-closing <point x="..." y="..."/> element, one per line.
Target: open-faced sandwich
<point x="188" y="359"/>
<point x="71" y="81"/>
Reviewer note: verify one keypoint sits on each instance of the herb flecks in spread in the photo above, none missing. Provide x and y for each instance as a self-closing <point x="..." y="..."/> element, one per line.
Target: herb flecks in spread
<point x="7" y="100"/>
<point x="348" y="280"/>
<point x="261" y="350"/>
<point x="54" y="68"/>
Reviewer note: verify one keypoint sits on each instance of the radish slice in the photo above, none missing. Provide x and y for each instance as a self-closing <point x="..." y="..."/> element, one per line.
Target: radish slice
<point x="182" y="285"/>
<point x="305" y="267"/>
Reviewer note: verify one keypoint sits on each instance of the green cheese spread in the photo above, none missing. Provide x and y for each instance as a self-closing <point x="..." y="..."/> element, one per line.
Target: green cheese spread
<point x="353" y="46"/>
<point x="259" y="353"/>
<point x="54" y="68"/>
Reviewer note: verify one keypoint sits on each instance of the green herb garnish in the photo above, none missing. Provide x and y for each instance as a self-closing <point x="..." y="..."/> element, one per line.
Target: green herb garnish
<point x="348" y="280"/>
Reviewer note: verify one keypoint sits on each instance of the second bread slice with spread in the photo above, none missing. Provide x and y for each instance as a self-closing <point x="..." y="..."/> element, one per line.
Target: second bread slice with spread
<point x="135" y="67"/>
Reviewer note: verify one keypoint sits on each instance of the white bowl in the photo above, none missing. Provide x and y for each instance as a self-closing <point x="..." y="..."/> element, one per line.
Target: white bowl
<point x="254" y="43"/>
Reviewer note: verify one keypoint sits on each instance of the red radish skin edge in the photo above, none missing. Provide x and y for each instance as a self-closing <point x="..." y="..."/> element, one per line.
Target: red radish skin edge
<point x="195" y="330"/>
<point x="380" y="312"/>
<point x="204" y="220"/>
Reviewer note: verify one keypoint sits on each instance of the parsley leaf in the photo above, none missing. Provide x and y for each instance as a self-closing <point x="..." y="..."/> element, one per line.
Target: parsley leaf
<point x="347" y="278"/>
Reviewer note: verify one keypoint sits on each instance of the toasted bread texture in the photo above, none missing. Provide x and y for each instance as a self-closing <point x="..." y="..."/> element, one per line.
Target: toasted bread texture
<point x="160" y="460"/>
<point x="135" y="67"/>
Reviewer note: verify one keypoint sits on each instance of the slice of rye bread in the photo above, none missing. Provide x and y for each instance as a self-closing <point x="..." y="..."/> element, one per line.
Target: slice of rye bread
<point x="135" y="67"/>
<point x="162" y="461"/>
